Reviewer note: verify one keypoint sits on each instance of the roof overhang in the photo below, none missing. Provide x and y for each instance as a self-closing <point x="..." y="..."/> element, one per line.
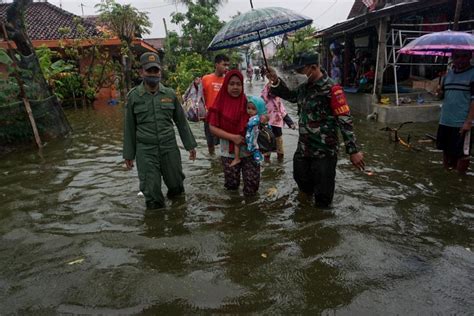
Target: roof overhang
<point x="139" y="44"/>
<point x="369" y="19"/>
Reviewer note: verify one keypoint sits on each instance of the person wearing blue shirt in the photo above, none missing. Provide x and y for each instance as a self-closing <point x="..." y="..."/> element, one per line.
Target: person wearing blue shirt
<point x="457" y="113"/>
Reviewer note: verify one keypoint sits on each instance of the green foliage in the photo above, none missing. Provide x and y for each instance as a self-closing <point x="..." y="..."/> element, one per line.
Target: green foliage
<point x="189" y="66"/>
<point x="8" y="85"/>
<point x="234" y="57"/>
<point x="301" y="41"/>
<point x="4" y="58"/>
<point x="54" y="72"/>
<point x="126" y="21"/>
<point x="199" y="24"/>
<point x="212" y="3"/>
<point x="173" y="50"/>
<point x="68" y="87"/>
<point x="91" y="65"/>
<point x="187" y="56"/>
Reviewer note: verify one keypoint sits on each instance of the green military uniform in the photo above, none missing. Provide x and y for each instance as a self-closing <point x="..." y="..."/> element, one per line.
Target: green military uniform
<point x="314" y="162"/>
<point x="317" y="125"/>
<point x="150" y="137"/>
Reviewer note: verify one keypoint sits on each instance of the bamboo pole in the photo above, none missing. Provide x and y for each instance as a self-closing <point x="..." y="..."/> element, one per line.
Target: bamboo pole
<point x="23" y="96"/>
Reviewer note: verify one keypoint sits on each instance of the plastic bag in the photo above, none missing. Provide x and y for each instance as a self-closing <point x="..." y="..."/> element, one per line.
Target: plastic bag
<point x="195" y="111"/>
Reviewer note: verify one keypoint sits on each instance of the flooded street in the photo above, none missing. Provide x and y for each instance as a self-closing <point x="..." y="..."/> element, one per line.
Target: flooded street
<point x="75" y="238"/>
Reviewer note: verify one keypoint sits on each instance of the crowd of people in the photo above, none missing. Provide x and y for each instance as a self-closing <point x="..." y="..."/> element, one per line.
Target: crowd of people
<point x="234" y="121"/>
<point x="257" y="73"/>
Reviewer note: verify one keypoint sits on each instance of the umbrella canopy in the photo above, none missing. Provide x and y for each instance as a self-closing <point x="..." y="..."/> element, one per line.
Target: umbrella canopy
<point x="257" y="24"/>
<point x="439" y="43"/>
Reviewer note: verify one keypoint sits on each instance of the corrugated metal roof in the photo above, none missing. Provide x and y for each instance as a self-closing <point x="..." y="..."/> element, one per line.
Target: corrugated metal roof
<point x="363" y="21"/>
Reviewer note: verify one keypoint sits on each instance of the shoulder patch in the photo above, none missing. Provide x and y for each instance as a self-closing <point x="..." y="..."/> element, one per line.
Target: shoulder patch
<point x="339" y="104"/>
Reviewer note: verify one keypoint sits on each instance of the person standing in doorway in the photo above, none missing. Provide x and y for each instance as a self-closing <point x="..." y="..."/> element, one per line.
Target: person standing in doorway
<point x="149" y="135"/>
<point x="322" y="111"/>
<point x="455" y="132"/>
<point x="211" y="85"/>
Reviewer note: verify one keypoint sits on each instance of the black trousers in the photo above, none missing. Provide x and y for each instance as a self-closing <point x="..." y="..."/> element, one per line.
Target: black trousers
<point x="316" y="176"/>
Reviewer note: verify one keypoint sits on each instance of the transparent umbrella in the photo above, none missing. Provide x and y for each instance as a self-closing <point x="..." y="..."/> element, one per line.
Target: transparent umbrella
<point x="439" y="43"/>
<point x="256" y="25"/>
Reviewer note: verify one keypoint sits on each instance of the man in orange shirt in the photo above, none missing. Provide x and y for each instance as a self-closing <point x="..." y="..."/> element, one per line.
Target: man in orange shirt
<point x="211" y="84"/>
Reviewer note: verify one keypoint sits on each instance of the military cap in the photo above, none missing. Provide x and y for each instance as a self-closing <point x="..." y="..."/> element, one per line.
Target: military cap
<point x="149" y="60"/>
<point x="303" y="59"/>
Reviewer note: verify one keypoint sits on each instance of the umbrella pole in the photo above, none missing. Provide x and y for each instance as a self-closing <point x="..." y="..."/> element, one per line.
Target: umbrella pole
<point x="261" y="44"/>
<point x="263" y="52"/>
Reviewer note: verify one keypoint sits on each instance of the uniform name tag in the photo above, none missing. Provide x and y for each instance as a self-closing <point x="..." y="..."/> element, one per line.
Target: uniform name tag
<point x="339" y="104"/>
<point x="166" y="100"/>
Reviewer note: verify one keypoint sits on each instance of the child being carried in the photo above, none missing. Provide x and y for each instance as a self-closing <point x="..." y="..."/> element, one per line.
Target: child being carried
<point x="257" y="111"/>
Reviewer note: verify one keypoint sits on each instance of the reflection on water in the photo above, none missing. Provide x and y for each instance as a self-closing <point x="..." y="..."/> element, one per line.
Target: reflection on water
<point x="75" y="238"/>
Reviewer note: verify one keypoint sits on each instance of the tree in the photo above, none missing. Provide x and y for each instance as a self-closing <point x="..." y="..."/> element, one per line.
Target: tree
<point x="189" y="66"/>
<point x="301" y="41"/>
<point x="94" y="67"/>
<point x="53" y="122"/>
<point x="127" y="23"/>
<point x="199" y="25"/>
<point x="212" y="3"/>
<point x="187" y="55"/>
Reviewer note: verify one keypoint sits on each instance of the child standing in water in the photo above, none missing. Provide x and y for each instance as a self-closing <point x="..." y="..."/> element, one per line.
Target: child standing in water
<point x="278" y="116"/>
<point x="257" y="111"/>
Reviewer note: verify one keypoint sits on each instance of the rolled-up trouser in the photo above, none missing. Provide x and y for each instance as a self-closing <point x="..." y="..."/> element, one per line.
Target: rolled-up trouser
<point x="316" y="176"/>
<point x="152" y="165"/>
<point x="211" y="139"/>
<point x="279" y="144"/>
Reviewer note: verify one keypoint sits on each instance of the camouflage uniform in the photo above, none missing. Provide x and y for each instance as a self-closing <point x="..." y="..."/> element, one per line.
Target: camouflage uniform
<point x="150" y="136"/>
<point x="314" y="162"/>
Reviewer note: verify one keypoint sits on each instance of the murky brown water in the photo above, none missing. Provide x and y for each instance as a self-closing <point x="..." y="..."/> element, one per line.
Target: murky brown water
<point x="75" y="238"/>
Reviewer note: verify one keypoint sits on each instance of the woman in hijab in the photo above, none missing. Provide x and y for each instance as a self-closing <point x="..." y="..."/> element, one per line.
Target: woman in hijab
<point x="227" y="120"/>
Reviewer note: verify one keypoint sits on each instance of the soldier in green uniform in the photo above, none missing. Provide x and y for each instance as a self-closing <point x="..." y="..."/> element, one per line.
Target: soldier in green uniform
<point x="149" y="134"/>
<point x="322" y="110"/>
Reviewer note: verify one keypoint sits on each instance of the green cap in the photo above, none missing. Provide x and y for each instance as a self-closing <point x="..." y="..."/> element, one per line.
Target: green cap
<point x="303" y="59"/>
<point x="149" y="60"/>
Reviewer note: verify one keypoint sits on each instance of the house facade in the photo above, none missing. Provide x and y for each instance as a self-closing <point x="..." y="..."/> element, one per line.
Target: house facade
<point x="51" y="26"/>
<point x="395" y="22"/>
<point x="374" y="32"/>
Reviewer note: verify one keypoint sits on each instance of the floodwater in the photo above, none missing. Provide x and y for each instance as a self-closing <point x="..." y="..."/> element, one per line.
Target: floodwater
<point x="76" y="239"/>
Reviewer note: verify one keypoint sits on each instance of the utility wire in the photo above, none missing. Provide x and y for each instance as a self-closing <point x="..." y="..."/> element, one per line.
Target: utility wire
<point x="332" y="5"/>
<point x="307" y="5"/>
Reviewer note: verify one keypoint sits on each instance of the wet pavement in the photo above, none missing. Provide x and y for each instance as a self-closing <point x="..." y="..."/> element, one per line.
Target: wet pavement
<point x="75" y="238"/>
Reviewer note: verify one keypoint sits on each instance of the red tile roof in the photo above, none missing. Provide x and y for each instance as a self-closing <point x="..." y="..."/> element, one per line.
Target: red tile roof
<point x="44" y="20"/>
